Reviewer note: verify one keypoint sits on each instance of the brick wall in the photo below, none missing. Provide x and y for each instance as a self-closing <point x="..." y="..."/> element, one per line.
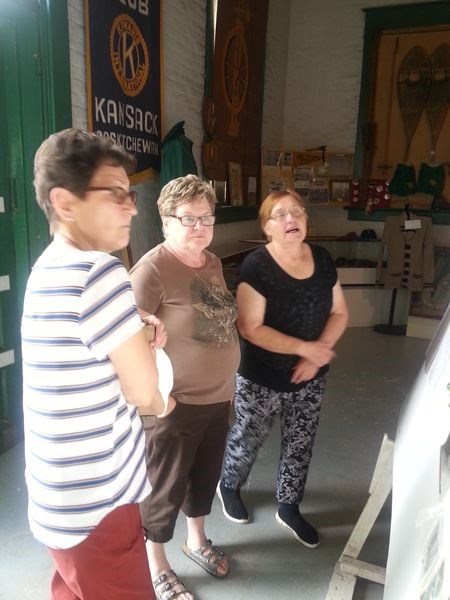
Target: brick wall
<point x="275" y="84"/>
<point x="77" y="63"/>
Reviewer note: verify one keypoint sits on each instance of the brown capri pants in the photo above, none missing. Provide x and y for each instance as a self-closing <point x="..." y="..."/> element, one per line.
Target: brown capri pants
<point x="184" y="453"/>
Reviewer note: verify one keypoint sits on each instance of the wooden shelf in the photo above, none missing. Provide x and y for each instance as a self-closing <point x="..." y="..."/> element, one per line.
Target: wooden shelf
<point x="330" y="238"/>
<point x="438" y="217"/>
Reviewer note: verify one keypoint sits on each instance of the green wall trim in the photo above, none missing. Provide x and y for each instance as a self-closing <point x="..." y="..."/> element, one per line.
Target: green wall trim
<point x="438" y="218"/>
<point x="230" y="214"/>
<point x="57" y="61"/>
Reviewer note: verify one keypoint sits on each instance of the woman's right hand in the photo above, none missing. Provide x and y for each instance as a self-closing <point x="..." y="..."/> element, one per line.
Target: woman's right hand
<point x="319" y="353"/>
<point x="304" y="370"/>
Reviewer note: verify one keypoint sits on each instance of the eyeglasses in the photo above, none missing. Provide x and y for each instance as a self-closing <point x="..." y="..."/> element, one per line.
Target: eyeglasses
<point x="191" y="221"/>
<point x="296" y="211"/>
<point x="120" y="196"/>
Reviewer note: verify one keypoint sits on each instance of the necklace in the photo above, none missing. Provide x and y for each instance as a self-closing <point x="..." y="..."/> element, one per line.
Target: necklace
<point x="207" y="284"/>
<point x="182" y="258"/>
<point x="192" y="269"/>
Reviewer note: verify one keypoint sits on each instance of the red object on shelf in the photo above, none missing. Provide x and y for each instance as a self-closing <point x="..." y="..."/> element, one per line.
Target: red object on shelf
<point x="377" y="194"/>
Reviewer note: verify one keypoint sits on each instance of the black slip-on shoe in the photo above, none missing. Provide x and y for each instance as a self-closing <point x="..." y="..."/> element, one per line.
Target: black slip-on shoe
<point x="302" y="530"/>
<point x="232" y="505"/>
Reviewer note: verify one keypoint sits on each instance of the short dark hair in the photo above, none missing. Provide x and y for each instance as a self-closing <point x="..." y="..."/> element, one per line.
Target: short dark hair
<point x="69" y="158"/>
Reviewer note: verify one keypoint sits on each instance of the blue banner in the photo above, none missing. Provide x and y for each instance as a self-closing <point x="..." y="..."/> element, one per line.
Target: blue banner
<point x="123" y="58"/>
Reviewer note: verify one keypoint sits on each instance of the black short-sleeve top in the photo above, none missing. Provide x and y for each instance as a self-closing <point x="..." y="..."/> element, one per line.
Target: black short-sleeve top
<point x="296" y="307"/>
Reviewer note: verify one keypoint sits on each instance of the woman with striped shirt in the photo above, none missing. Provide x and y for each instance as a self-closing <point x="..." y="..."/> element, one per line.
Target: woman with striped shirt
<point x="86" y="367"/>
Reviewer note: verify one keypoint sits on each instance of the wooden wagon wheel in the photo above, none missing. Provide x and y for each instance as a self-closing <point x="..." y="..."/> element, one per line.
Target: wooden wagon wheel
<point x="235" y="75"/>
<point x="439" y="93"/>
<point x="413" y="83"/>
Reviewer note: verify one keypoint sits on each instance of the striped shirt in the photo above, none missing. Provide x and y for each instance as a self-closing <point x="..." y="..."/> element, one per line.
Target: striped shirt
<point x="84" y="445"/>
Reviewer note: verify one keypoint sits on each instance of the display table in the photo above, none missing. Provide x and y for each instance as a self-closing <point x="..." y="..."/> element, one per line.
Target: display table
<point x="368" y="304"/>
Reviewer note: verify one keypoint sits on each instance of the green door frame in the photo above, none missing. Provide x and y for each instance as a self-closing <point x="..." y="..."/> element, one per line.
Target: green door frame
<point x="35" y="93"/>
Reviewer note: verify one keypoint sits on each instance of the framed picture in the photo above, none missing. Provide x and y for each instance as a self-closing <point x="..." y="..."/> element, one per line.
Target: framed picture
<point x="272" y="158"/>
<point x="235" y="184"/>
<point x="303" y="178"/>
<point x="340" y="190"/>
<point x="318" y="192"/>
<point x="220" y="188"/>
<point x="340" y="165"/>
<point x="251" y="191"/>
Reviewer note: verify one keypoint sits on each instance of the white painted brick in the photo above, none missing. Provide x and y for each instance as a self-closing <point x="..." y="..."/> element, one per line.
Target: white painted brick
<point x="275" y="86"/>
<point x="323" y="72"/>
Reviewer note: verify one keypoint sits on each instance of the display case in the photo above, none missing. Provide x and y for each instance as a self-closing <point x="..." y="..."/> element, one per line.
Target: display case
<point x="356" y="259"/>
<point x="320" y="177"/>
<point x="276" y="171"/>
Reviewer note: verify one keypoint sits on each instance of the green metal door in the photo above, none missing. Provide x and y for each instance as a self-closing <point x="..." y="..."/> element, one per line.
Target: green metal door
<point x="26" y="111"/>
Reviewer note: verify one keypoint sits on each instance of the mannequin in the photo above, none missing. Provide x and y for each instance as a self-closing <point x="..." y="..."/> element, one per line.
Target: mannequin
<point x="407" y="241"/>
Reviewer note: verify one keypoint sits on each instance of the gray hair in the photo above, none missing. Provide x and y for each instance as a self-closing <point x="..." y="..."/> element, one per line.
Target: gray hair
<point x="69" y="159"/>
<point x="185" y="190"/>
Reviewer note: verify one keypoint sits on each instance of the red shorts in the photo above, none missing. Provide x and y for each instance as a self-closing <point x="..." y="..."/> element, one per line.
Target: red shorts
<point x="110" y="564"/>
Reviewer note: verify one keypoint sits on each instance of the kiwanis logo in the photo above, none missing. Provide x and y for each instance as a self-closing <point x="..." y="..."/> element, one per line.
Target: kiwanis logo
<point x="129" y="55"/>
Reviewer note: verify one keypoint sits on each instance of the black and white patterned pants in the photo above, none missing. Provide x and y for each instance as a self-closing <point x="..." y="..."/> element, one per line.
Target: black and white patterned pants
<point x="255" y="408"/>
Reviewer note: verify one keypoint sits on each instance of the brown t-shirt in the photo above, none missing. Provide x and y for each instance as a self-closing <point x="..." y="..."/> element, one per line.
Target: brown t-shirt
<point x="199" y="315"/>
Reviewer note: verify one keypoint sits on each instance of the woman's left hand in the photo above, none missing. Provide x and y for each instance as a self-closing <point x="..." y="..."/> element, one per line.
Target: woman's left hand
<point x="160" y="338"/>
<point x="303" y="371"/>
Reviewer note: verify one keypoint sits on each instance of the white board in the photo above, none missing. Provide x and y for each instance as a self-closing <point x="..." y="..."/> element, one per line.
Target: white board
<point x="418" y="566"/>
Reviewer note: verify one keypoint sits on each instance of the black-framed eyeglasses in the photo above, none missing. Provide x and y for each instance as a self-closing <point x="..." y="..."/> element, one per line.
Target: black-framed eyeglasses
<point x="191" y="221"/>
<point x="120" y="196"/>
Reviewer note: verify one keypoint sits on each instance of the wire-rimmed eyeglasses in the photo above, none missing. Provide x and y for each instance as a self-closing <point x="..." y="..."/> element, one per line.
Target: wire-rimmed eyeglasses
<point x="295" y="211"/>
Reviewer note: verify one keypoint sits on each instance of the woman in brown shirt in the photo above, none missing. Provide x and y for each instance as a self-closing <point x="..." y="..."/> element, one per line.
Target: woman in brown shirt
<point x="182" y="284"/>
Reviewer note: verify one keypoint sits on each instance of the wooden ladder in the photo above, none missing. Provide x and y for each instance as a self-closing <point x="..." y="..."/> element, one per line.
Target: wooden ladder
<point x="349" y="567"/>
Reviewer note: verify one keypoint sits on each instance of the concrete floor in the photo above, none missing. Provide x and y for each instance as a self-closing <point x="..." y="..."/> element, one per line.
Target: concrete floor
<point x="368" y="382"/>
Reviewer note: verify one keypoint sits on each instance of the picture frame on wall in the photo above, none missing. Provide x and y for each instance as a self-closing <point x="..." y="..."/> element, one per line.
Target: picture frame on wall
<point x="340" y="165"/>
<point x="340" y="190"/>
<point x="235" y="190"/>
<point x="318" y="192"/>
<point x="220" y="188"/>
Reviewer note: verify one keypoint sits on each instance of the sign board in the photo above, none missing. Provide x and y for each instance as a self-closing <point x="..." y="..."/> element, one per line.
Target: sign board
<point x="123" y="56"/>
<point x="419" y="560"/>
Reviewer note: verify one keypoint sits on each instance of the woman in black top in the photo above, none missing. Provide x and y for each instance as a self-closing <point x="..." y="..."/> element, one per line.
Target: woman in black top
<point x="291" y="313"/>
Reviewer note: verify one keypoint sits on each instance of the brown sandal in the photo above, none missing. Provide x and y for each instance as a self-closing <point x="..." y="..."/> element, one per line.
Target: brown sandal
<point x="164" y="588"/>
<point x="208" y="557"/>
